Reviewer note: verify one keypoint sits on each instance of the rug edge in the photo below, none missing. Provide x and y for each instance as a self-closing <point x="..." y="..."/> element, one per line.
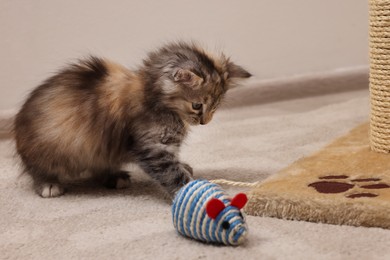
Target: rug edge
<point x="339" y="214"/>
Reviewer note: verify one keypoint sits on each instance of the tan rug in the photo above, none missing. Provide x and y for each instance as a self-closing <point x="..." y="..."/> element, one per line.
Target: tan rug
<point x="344" y="183"/>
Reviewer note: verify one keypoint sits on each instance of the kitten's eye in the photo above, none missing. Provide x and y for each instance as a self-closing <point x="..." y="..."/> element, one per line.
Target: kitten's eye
<point x="225" y="225"/>
<point x="197" y="106"/>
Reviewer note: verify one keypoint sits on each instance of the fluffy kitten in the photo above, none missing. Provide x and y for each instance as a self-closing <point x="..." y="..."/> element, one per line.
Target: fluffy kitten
<point x="95" y="115"/>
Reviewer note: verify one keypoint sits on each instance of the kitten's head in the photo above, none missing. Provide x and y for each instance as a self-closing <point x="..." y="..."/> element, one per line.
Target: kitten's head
<point x="191" y="81"/>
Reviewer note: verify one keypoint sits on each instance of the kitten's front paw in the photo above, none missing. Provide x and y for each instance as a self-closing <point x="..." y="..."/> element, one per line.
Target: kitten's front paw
<point x="119" y="180"/>
<point x="180" y="178"/>
<point x="188" y="168"/>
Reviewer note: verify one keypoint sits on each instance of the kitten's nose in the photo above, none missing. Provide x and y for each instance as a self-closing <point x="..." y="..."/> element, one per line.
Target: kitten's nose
<point x="205" y="119"/>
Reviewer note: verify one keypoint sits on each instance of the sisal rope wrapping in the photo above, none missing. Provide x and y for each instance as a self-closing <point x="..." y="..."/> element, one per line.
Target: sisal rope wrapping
<point x="190" y="219"/>
<point x="380" y="75"/>
<point x="235" y="183"/>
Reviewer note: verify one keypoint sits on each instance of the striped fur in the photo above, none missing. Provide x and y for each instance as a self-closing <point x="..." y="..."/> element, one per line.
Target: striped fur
<point x="190" y="218"/>
<point x="95" y="116"/>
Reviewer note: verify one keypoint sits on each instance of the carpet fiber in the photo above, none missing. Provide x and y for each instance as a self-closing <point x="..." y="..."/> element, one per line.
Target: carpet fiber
<point x="344" y="183"/>
<point x="263" y="129"/>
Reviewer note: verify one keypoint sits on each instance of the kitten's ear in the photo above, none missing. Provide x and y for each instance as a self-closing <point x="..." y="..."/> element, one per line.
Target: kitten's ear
<point x="187" y="77"/>
<point x="236" y="72"/>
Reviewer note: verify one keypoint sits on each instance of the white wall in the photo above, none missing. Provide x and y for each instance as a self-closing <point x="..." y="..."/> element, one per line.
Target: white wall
<point x="270" y="38"/>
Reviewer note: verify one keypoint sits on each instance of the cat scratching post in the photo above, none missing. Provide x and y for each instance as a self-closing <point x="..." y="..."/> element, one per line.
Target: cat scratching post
<point x="347" y="182"/>
<point x="380" y="75"/>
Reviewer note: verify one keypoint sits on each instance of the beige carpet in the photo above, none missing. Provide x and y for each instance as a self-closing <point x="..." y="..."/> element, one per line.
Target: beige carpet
<point x="265" y="128"/>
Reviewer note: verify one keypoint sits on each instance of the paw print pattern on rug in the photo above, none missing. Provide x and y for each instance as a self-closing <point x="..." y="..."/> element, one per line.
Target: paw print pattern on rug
<point x="360" y="188"/>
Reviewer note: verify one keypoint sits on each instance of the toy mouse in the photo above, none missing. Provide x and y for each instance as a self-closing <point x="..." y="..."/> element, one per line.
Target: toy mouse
<point x="202" y="210"/>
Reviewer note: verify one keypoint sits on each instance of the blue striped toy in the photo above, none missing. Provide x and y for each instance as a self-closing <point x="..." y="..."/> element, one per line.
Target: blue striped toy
<point x="202" y="210"/>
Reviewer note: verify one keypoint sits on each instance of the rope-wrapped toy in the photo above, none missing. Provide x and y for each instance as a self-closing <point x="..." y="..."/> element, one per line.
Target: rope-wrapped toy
<point x="203" y="211"/>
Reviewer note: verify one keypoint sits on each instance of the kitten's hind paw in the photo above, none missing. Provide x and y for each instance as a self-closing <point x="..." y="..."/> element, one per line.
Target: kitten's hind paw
<point x="50" y="190"/>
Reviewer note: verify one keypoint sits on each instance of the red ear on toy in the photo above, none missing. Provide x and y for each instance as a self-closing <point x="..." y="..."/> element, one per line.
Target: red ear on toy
<point x="239" y="200"/>
<point x="214" y="207"/>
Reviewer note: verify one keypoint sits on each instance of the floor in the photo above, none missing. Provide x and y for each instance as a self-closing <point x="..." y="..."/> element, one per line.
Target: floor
<point x="253" y="137"/>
